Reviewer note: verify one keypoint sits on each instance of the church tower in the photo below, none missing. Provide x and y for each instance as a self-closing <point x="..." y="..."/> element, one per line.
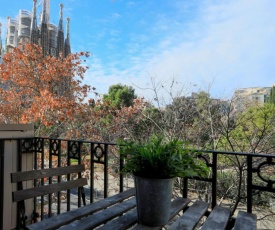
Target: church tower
<point x="67" y="40"/>
<point x="60" y="34"/>
<point x="44" y="30"/>
<point x="34" y="28"/>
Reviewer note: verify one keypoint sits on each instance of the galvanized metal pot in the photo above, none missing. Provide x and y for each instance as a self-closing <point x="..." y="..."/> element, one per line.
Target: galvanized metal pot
<point x="153" y="200"/>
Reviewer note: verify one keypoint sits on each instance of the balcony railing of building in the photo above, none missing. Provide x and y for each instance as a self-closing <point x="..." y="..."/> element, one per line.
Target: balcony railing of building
<point x="239" y="180"/>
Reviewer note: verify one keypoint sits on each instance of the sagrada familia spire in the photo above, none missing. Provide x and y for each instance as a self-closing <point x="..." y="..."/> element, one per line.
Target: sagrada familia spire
<point x="44" y="31"/>
<point x="34" y="27"/>
<point x="49" y="36"/>
<point x="60" y="34"/>
<point x="67" y="50"/>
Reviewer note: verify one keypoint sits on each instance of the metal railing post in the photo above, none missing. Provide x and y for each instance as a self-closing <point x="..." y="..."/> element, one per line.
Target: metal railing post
<point x="121" y="178"/>
<point x="185" y="187"/>
<point x="92" y="173"/>
<point x="214" y="180"/>
<point x="106" y="170"/>
<point x="249" y="184"/>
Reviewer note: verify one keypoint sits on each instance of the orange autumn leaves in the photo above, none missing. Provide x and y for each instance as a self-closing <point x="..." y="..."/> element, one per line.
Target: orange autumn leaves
<point x="41" y="89"/>
<point x="48" y="92"/>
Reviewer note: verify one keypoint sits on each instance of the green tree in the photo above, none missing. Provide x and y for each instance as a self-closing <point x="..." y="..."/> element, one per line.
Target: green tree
<point x="272" y="95"/>
<point x="253" y="132"/>
<point x="120" y="96"/>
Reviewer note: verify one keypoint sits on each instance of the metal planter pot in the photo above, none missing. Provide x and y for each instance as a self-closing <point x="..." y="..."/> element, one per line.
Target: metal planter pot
<point x="153" y="200"/>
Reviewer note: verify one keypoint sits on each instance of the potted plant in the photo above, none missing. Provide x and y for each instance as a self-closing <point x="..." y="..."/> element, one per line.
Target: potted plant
<point x="154" y="165"/>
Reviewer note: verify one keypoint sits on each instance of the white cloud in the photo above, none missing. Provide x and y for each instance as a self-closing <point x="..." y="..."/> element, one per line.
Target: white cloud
<point x="116" y="15"/>
<point x="236" y="43"/>
<point x="229" y="44"/>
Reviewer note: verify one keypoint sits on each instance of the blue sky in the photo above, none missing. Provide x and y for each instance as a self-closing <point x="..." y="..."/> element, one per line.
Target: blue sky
<point x="212" y="45"/>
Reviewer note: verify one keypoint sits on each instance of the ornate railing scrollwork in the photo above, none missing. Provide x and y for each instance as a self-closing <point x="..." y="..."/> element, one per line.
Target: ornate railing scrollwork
<point x="74" y="149"/>
<point x="99" y="152"/>
<point x="54" y="147"/>
<point x="27" y="145"/>
<point x="39" y="144"/>
<point x="266" y="172"/>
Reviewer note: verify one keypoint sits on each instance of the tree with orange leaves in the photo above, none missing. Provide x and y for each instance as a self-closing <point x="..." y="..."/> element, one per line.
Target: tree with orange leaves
<point x="46" y="91"/>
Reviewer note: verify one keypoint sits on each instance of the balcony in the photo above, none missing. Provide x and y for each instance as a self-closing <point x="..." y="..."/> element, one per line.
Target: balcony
<point x="241" y="181"/>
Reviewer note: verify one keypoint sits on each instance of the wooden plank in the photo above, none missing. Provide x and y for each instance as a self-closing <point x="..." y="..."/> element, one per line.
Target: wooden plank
<point x="176" y="206"/>
<point x="68" y="217"/>
<point x="47" y="189"/>
<point x="121" y="223"/>
<point x="101" y="217"/>
<point x="217" y="219"/>
<point x="245" y="221"/>
<point x="42" y="173"/>
<point x="190" y="217"/>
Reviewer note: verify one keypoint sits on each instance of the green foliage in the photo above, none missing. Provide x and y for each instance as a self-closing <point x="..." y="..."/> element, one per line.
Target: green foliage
<point x="202" y="98"/>
<point x="120" y="96"/>
<point x="272" y="95"/>
<point x="253" y="131"/>
<point x="159" y="158"/>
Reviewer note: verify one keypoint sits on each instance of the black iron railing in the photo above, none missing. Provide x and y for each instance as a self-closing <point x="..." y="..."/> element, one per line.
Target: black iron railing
<point x="49" y="153"/>
<point x="103" y="164"/>
<point x="258" y="174"/>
